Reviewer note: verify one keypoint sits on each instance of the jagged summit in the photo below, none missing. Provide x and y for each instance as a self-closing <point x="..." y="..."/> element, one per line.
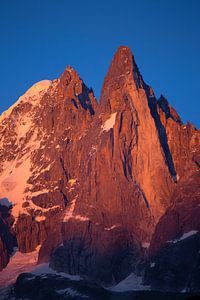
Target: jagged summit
<point x="73" y="89"/>
<point x="70" y="74"/>
<point x="124" y="63"/>
<point x="123" y="72"/>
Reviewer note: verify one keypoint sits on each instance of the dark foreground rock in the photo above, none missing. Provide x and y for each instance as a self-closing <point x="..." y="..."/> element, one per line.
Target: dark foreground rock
<point x="7" y="236"/>
<point x="174" y="254"/>
<point x="31" y="287"/>
<point x="176" y="267"/>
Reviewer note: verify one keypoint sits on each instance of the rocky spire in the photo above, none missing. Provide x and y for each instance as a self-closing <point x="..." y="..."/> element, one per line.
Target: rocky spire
<point x="72" y="87"/>
<point x="122" y="72"/>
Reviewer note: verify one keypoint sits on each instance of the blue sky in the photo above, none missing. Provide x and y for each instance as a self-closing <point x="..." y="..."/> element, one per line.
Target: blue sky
<point x="40" y="38"/>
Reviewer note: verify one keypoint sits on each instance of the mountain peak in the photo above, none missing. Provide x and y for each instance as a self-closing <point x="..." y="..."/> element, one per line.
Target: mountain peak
<point x="124" y="51"/>
<point x="122" y="63"/>
<point x="122" y="72"/>
<point x="69" y="75"/>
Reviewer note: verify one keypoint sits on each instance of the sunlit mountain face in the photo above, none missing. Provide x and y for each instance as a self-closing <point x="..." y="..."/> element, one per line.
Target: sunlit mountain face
<point x="98" y="198"/>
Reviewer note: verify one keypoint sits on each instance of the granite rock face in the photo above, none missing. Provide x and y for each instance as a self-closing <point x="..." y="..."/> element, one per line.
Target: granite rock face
<point x="98" y="178"/>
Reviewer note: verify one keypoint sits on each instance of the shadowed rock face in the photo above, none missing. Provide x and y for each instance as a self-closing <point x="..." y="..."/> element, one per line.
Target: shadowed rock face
<point x="7" y="236"/>
<point x="174" y="253"/>
<point x="181" y="216"/>
<point x="98" y="176"/>
<point x="176" y="266"/>
<point x="56" y="287"/>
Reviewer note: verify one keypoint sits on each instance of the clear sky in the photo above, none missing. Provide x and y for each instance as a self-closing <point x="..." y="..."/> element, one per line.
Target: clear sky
<point x="39" y="38"/>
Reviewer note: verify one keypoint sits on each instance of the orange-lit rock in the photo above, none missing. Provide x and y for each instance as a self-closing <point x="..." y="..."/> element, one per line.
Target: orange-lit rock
<point x="99" y="178"/>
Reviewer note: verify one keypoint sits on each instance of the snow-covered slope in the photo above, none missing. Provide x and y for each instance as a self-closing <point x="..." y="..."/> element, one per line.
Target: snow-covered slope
<point x="19" y="139"/>
<point x="19" y="263"/>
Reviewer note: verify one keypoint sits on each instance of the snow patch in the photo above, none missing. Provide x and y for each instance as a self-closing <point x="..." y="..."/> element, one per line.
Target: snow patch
<point x="145" y="245"/>
<point x="70" y="213"/>
<point x="40" y="168"/>
<point x="70" y="210"/>
<point x="109" y="123"/>
<point x="80" y="218"/>
<point x="44" y="191"/>
<point x="72" y="181"/>
<point x="71" y="292"/>
<point x="19" y="263"/>
<point x="23" y="127"/>
<point x="184" y="236"/>
<point x="175" y="177"/>
<point x="130" y="283"/>
<point x="40" y="218"/>
<point x="44" y="268"/>
<point x="112" y="227"/>
<point x="187" y="234"/>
